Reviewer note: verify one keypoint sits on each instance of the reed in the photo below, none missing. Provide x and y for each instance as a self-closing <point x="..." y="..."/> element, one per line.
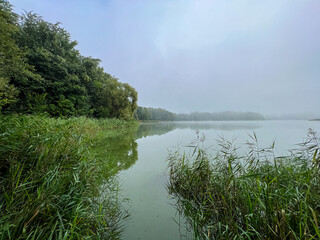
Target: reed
<point x="255" y="196"/>
<point x="52" y="183"/>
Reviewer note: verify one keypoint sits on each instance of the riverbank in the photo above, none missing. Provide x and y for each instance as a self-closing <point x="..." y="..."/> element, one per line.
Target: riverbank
<point x="53" y="172"/>
<point x="252" y="196"/>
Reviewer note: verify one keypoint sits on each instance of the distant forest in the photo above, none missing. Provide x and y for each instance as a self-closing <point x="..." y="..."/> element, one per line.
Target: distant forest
<point x="41" y="72"/>
<point x="158" y="114"/>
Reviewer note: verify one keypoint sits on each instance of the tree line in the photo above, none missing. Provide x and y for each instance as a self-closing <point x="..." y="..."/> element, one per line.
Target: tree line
<point x="159" y="114"/>
<point x="219" y="116"/>
<point x="41" y="71"/>
<point x="154" y="114"/>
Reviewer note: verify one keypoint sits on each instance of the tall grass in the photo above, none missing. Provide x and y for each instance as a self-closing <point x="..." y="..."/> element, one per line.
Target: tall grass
<point x="256" y="196"/>
<point x="52" y="183"/>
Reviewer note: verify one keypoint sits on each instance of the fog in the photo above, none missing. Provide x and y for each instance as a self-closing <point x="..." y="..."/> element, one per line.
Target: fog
<point x="211" y="56"/>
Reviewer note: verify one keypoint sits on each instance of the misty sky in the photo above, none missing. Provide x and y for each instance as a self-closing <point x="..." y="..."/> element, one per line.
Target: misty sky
<point x="201" y="55"/>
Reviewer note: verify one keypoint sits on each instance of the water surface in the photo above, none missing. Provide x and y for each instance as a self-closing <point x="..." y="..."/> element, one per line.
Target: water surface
<point x="143" y="181"/>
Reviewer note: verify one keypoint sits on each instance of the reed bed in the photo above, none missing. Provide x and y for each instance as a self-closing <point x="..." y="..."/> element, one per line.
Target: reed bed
<point x="52" y="183"/>
<point x="255" y="196"/>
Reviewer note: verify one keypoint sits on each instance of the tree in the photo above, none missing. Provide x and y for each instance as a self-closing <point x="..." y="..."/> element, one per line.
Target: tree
<point x="9" y="54"/>
<point x="42" y="71"/>
<point x="53" y="55"/>
<point x="114" y="99"/>
<point x="155" y="114"/>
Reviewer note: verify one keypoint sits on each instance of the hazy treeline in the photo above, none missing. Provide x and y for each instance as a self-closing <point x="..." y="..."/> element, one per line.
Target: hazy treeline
<point x="41" y="71"/>
<point x="154" y="114"/>
<point x="158" y="114"/>
<point x="219" y="116"/>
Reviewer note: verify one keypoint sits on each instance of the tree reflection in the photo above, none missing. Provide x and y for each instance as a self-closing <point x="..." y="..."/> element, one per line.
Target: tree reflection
<point x="155" y="128"/>
<point x="118" y="149"/>
<point x="160" y="128"/>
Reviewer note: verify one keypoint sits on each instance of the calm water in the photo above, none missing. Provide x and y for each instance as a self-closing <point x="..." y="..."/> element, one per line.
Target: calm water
<point x="143" y="182"/>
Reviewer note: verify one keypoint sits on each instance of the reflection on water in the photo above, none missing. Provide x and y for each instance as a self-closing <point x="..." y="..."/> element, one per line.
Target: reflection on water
<point x="120" y="148"/>
<point x="160" y="128"/>
<point x="150" y="129"/>
<point x="140" y="153"/>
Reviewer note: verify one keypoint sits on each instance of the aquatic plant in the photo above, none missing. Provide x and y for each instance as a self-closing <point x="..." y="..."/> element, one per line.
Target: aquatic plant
<point x="53" y="185"/>
<point x="255" y="196"/>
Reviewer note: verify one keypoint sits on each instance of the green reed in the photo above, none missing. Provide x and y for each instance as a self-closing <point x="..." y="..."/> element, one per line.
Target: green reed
<point x="255" y="196"/>
<point x="52" y="183"/>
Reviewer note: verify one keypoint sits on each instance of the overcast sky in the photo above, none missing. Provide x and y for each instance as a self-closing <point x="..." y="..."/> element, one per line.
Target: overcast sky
<point x="201" y="55"/>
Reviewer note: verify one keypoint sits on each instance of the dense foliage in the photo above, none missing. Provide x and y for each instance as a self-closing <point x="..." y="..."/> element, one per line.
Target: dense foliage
<point x="41" y="71"/>
<point x="11" y="62"/>
<point x="54" y="184"/>
<point x="256" y="196"/>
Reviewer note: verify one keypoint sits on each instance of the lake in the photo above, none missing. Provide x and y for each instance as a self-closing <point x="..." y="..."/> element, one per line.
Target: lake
<point x="144" y="181"/>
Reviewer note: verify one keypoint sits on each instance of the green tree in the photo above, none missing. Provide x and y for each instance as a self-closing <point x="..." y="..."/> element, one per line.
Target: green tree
<point x="156" y="114"/>
<point x="10" y="56"/>
<point x="114" y="99"/>
<point x="49" y="49"/>
<point x="42" y="71"/>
